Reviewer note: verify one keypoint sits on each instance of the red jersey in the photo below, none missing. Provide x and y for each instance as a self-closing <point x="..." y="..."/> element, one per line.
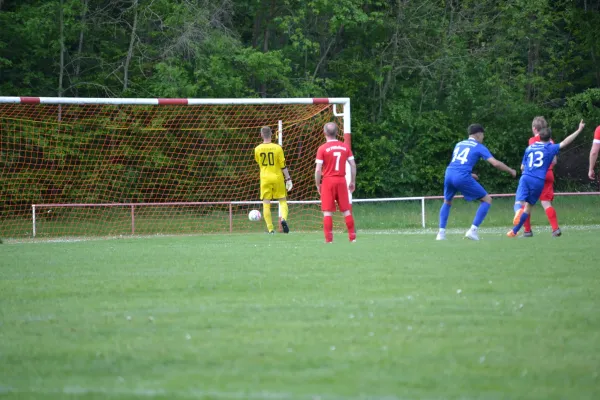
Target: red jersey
<point x="333" y="156"/>
<point x="536" y="138"/>
<point x="597" y="135"/>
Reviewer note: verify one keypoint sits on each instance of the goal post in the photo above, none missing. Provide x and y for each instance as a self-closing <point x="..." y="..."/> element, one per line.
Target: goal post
<point x="105" y="166"/>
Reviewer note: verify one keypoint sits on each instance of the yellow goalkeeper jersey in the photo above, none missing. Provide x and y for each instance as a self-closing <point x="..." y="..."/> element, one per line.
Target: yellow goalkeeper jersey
<point x="271" y="161"/>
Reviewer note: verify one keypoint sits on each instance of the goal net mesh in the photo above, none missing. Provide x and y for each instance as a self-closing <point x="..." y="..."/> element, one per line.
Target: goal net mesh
<point x="116" y="169"/>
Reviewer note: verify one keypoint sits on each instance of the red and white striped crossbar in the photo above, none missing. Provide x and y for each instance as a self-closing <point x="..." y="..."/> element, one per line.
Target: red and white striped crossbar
<point x="158" y="101"/>
<point x="343" y="101"/>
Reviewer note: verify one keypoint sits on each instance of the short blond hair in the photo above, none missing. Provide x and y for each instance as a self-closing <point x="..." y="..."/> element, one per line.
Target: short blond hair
<point x="266" y="132"/>
<point x="539" y="123"/>
<point x="331" y="129"/>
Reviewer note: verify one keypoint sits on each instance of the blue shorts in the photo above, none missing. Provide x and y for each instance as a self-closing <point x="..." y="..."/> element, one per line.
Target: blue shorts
<point x="530" y="189"/>
<point x="466" y="184"/>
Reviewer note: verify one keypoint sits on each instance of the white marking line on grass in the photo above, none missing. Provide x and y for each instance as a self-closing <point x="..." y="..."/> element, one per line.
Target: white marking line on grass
<point x="193" y="394"/>
<point x="416" y="231"/>
<point x="493" y="230"/>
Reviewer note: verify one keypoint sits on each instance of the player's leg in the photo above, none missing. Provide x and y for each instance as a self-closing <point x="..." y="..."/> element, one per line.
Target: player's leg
<point x="529" y="191"/>
<point x="284" y="215"/>
<point x="521" y="196"/>
<point x="343" y="201"/>
<point x="283" y="206"/>
<point x="546" y="199"/>
<point x="328" y="226"/>
<point x="472" y="190"/>
<point x="266" y="195"/>
<point x="526" y="213"/>
<point x="518" y="207"/>
<point x="349" y="220"/>
<point x="444" y="214"/>
<point x="328" y="208"/>
<point x="527" y="226"/>
<point x="484" y="206"/>
<point x="552" y="218"/>
<point x="267" y="216"/>
<point x="280" y="194"/>
<point x="449" y="193"/>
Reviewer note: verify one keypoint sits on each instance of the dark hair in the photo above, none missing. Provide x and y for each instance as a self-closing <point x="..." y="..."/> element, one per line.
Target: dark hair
<point x="474" y="129"/>
<point x="545" y="134"/>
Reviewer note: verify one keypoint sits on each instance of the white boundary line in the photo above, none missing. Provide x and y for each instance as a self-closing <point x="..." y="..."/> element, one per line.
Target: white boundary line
<point x="462" y="230"/>
<point x="399" y="232"/>
<point x="193" y="394"/>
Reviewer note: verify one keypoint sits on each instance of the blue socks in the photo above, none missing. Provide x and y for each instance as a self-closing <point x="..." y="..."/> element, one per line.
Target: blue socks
<point x="444" y="214"/>
<point x="479" y="216"/>
<point x="481" y="213"/>
<point x="517" y="227"/>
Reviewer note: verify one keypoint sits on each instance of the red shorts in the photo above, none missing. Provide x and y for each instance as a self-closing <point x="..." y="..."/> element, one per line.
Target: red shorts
<point x="548" y="191"/>
<point x="334" y="189"/>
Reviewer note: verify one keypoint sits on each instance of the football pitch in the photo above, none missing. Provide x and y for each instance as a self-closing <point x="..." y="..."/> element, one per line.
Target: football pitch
<point x="396" y="315"/>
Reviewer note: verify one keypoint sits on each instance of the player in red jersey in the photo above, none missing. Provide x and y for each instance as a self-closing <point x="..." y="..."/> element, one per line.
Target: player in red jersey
<point x="594" y="153"/>
<point x="331" y="166"/>
<point x="547" y="195"/>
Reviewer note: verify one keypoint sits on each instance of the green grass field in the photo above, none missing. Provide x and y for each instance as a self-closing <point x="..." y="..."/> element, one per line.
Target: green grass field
<point x="393" y="316"/>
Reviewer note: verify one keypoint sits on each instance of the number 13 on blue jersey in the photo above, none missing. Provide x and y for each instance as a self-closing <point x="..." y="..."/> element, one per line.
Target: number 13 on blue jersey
<point x="539" y="159"/>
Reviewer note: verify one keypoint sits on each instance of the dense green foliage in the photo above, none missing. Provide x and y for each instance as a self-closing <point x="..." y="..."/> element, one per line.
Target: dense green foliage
<point x="417" y="72"/>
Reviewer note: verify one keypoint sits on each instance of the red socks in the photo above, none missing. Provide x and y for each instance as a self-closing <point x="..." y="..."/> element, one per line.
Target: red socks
<point x="551" y="214"/>
<point x="527" y="224"/>
<point x="350" y="225"/>
<point x="328" y="229"/>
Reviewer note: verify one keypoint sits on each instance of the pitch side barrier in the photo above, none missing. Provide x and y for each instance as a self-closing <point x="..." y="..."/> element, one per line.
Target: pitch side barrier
<point x="230" y="204"/>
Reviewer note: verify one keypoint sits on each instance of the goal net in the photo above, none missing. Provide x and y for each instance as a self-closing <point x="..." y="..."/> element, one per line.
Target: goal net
<point x="103" y="167"/>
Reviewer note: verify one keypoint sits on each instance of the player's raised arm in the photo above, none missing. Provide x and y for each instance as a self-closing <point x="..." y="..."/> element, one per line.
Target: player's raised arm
<point x="501" y="166"/>
<point x="569" y="139"/>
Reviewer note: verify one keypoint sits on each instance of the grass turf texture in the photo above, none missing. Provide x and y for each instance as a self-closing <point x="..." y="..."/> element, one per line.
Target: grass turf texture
<point x="391" y="316"/>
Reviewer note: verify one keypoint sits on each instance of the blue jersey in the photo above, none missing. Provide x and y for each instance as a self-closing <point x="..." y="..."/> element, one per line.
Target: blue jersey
<point x="465" y="156"/>
<point x="538" y="158"/>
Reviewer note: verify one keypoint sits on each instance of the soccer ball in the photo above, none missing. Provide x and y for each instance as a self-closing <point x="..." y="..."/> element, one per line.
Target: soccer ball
<point x="254" y="215"/>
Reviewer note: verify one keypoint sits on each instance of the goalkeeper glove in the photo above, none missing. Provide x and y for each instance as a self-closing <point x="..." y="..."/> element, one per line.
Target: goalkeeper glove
<point x="288" y="185"/>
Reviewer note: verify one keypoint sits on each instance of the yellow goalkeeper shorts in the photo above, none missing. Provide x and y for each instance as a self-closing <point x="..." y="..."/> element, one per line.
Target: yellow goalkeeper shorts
<point x="272" y="189"/>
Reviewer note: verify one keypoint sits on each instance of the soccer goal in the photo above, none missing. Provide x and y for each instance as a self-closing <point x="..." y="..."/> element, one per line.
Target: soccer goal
<point x="94" y="167"/>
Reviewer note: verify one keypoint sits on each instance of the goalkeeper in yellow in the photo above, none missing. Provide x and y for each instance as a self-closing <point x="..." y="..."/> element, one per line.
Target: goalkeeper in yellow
<point x="271" y="161"/>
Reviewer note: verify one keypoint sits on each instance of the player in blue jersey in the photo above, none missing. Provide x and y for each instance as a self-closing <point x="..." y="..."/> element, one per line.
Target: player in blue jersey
<point x="535" y="164"/>
<point x="460" y="178"/>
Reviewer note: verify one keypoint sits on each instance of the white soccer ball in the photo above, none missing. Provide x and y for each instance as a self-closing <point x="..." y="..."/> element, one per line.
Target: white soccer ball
<point x="254" y="215"/>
